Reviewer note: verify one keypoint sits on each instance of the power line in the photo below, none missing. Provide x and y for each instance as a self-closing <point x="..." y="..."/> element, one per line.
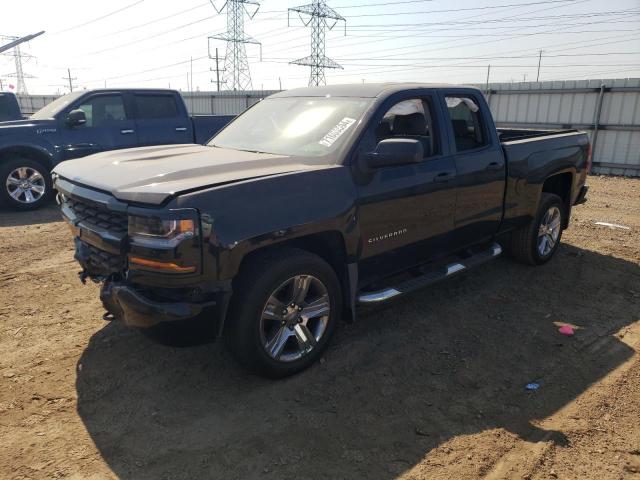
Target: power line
<point x="384" y="4"/>
<point x="385" y="70"/>
<point x="425" y="30"/>
<point x="159" y="34"/>
<point x="151" y="22"/>
<point x="475" y="43"/>
<point x="169" y="65"/>
<point x="284" y="60"/>
<point x="149" y="37"/>
<point x="572" y="16"/>
<point x="365" y="5"/>
<point x="475" y="16"/>
<point x="495" y="57"/>
<point x="89" y="22"/>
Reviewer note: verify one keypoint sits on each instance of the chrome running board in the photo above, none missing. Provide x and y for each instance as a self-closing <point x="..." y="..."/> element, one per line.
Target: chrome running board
<point x="428" y="278"/>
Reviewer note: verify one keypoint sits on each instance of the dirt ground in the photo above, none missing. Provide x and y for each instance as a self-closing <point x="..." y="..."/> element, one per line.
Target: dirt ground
<point x="429" y="387"/>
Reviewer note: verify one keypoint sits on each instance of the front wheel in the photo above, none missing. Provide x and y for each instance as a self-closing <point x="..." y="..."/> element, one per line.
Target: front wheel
<point x="536" y="243"/>
<point x="285" y="307"/>
<point x="24" y="184"/>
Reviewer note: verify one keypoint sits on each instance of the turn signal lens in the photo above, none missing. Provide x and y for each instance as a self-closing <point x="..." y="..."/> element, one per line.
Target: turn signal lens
<point x="161" y="266"/>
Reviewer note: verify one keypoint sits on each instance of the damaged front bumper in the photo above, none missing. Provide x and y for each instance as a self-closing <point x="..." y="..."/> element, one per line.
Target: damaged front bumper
<point x="137" y="298"/>
<point x="134" y="309"/>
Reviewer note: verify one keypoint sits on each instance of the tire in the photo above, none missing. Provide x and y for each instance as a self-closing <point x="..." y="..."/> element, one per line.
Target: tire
<point x="525" y="246"/>
<point x="259" y="336"/>
<point x="35" y="177"/>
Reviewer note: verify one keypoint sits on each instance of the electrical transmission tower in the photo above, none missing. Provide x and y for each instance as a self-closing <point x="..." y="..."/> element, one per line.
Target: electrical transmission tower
<point x="21" y="86"/>
<point x="236" y="65"/>
<point x="321" y="17"/>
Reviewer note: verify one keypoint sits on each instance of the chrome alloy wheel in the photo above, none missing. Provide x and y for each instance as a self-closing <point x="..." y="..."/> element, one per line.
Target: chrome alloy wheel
<point x="549" y="230"/>
<point x="295" y="318"/>
<point x="25" y="185"/>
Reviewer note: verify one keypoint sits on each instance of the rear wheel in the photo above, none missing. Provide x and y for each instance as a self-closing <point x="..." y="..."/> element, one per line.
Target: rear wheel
<point x="24" y="184"/>
<point x="536" y="243"/>
<point x="285" y="307"/>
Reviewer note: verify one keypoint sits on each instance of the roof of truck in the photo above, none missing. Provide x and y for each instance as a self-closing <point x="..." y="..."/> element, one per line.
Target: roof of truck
<point x="127" y="89"/>
<point x="362" y="90"/>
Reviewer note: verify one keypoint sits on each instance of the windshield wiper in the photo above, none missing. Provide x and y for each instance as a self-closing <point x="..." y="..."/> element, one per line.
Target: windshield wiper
<point x="240" y="149"/>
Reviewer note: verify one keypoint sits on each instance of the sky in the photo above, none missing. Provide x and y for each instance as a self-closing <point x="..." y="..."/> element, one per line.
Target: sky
<point x="157" y="43"/>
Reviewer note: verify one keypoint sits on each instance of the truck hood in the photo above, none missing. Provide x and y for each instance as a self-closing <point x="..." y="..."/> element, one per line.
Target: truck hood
<point x="151" y="175"/>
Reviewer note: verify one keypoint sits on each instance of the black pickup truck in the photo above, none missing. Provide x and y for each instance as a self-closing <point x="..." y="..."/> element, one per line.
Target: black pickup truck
<point x="86" y="122"/>
<point x="311" y="202"/>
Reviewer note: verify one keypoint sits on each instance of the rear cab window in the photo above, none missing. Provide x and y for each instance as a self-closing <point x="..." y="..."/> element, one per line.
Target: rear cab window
<point x="155" y="106"/>
<point x="410" y="118"/>
<point x="466" y="123"/>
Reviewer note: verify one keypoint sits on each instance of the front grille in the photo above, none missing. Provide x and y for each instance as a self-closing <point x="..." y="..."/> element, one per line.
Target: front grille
<point x="98" y="216"/>
<point x="105" y="261"/>
<point x="97" y="262"/>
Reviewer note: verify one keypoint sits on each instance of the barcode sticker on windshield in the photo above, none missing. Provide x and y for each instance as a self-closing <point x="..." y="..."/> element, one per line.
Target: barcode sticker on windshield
<point x="336" y="132"/>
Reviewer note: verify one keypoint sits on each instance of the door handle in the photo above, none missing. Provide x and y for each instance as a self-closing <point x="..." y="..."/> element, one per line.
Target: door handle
<point x="494" y="166"/>
<point x="181" y="129"/>
<point x="126" y="131"/>
<point x="443" y="177"/>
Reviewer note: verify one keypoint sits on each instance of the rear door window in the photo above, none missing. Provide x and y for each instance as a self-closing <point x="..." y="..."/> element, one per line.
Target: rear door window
<point x="155" y="106"/>
<point x="466" y="122"/>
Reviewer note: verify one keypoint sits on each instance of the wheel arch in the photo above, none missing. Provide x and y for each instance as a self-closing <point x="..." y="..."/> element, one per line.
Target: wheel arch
<point x="34" y="153"/>
<point x="561" y="184"/>
<point x="330" y="245"/>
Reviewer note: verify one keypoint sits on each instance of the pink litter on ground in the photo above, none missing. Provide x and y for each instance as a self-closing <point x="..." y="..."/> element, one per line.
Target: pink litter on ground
<point x="566" y="330"/>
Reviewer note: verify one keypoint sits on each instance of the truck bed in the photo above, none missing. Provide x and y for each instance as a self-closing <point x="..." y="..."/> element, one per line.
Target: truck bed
<point x="535" y="155"/>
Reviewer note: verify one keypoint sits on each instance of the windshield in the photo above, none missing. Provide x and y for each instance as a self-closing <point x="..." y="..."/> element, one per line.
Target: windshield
<point x="304" y="126"/>
<point x="50" y="110"/>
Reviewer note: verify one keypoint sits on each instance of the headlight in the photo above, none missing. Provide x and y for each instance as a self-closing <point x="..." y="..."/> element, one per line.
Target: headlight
<point x="156" y="232"/>
<point x="158" y="244"/>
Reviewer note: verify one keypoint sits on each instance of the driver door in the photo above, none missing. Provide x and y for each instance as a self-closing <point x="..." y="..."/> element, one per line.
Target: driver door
<point x="406" y="212"/>
<point x="109" y="126"/>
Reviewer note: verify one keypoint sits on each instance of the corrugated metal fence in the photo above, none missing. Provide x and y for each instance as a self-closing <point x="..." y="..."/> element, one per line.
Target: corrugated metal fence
<point x="608" y="109"/>
<point x="223" y="103"/>
<point x="30" y="104"/>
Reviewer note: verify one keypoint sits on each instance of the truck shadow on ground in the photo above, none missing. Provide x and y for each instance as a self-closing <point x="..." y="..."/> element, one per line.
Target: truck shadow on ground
<point x="448" y="361"/>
